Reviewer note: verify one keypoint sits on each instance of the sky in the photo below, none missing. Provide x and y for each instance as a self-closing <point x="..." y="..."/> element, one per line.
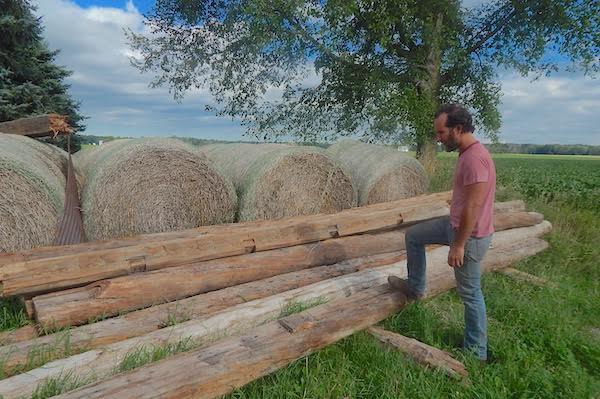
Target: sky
<point x="560" y="109"/>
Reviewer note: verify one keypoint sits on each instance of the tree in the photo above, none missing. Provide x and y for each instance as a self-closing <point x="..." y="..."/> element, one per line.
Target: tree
<point x="30" y="82"/>
<point x="384" y="66"/>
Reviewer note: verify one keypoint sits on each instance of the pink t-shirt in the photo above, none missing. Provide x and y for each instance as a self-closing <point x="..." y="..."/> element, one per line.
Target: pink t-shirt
<point x="474" y="165"/>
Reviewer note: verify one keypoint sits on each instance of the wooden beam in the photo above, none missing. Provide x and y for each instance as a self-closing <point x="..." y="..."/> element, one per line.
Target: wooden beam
<point x="109" y="297"/>
<point x="156" y="317"/>
<point x="510" y="246"/>
<point x="420" y="352"/>
<point x="217" y="369"/>
<point x="37" y="126"/>
<point x="45" y="275"/>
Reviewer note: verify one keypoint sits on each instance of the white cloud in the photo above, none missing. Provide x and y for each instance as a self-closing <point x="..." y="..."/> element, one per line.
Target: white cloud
<point x="116" y="97"/>
<point x="93" y="45"/>
<point x="556" y="109"/>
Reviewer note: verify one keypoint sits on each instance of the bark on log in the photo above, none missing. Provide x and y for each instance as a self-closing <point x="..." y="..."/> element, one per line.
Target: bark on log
<point x="509" y="246"/>
<point x="109" y="297"/>
<point x="151" y="319"/>
<point x="212" y="371"/>
<point x="45" y="275"/>
<point x="37" y="126"/>
<point x="420" y="352"/>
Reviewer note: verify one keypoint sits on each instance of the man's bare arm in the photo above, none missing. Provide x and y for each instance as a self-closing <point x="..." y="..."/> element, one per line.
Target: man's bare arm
<point x="475" y="196"/>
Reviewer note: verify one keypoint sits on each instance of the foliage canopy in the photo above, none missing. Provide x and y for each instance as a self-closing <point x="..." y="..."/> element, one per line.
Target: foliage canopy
<point x="318" y="69"/>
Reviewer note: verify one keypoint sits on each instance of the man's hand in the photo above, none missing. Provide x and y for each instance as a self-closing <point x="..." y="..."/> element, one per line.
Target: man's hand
<point x="456" y="256"/>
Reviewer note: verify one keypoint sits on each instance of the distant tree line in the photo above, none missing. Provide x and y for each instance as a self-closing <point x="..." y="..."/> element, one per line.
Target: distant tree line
<point x="557" y="149"/>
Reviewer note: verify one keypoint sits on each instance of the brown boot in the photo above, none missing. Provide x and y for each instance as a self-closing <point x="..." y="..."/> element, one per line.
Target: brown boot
<point x="402" y="285"/>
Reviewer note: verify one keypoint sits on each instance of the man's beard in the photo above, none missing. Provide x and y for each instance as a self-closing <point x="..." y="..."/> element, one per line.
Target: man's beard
<point x="450" y="145"/>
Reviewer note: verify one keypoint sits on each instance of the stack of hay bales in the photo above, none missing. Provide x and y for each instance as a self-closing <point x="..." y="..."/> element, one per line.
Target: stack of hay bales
<point x="148" y="186"/>
<point x="380" y="174"/>
<point x="32" y="192"/>
<point x="277" y="180"/>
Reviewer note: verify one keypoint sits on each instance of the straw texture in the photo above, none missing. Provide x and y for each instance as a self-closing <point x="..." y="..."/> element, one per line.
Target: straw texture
<point x="148" y="186"/>
<point x="277" y="180"/>
<point x="32" y="187"/>
<point x="379" y="173"/>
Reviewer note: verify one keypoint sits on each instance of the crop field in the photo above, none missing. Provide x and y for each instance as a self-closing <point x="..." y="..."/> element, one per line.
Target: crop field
<point x="544" y="341"/>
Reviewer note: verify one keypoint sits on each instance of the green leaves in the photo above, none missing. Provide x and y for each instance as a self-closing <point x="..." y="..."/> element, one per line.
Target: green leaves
<point x="378" y="69"/>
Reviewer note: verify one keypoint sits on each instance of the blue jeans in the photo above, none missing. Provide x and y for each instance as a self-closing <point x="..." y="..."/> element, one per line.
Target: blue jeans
<point x="468" y="277"/>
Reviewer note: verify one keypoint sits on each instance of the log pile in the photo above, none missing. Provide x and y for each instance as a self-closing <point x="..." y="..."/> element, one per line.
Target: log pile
<point x="226" y="290"/>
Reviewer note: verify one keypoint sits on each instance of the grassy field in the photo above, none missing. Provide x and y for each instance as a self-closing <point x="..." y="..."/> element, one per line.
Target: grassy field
<point x="544" y="342"/>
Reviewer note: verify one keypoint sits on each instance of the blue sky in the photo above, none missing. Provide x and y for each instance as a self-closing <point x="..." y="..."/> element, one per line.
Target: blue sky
<point x="562" y="108"/>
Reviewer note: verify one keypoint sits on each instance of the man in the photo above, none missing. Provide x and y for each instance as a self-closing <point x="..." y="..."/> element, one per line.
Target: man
<point x="468" y="230"/>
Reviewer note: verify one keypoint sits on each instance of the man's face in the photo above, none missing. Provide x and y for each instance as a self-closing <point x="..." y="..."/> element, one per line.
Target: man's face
<point x="445" y="135"/>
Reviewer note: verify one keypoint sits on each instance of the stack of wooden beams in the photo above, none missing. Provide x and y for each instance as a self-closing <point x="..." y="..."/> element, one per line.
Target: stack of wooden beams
<point x="223" y="289"/>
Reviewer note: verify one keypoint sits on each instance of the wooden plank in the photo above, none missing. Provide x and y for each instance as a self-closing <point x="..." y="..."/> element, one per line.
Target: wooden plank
<point x="421" y="353"/>
<point x="200" y="306"/>
<point x="109" y="297"/>
<point x="37" y="126"/>
<point x="510" y="246"/>
<point x="215" y="370"/>
<point x="45" y="275"/>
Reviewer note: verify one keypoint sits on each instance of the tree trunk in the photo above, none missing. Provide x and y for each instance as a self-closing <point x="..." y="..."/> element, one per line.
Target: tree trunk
<point x="429" y="89"/>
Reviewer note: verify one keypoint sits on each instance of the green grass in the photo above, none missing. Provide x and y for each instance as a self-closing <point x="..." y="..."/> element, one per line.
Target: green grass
<point x="541" y="340"/>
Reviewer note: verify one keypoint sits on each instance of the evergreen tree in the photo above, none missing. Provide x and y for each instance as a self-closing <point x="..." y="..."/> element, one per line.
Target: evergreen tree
<point x="30" y="82"/>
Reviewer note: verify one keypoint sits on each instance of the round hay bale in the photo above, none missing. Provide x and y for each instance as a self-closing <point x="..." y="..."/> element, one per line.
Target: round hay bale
<point x="277" y="180"/>
<point x="32" y="192"/>
<point x="149" y="186"/>
<point x="380" y="174"/>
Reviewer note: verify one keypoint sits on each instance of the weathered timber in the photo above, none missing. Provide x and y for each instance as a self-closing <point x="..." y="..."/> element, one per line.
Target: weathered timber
<point x="101" y="362"/>
<point x="37" y="126"/>
<point x="25" y="333"/>
<point x="509" y="206"/>
<point x="215" y="370"/>
<point x="109" y="297"/>
<point x="151" y="319"/>
<point x="45" y="275"/>
<point x="53" y="251"/>
<point x="519" y="275"/>
<point x="420" y="352"/>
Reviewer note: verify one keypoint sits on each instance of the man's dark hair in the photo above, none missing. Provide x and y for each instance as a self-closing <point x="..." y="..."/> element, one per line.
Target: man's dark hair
<point x="457" y="115"/>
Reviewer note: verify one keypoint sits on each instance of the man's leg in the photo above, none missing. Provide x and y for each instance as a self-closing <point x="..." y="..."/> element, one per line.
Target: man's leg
<point x="431" y="232"/>
<point x="468" y="281"/>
